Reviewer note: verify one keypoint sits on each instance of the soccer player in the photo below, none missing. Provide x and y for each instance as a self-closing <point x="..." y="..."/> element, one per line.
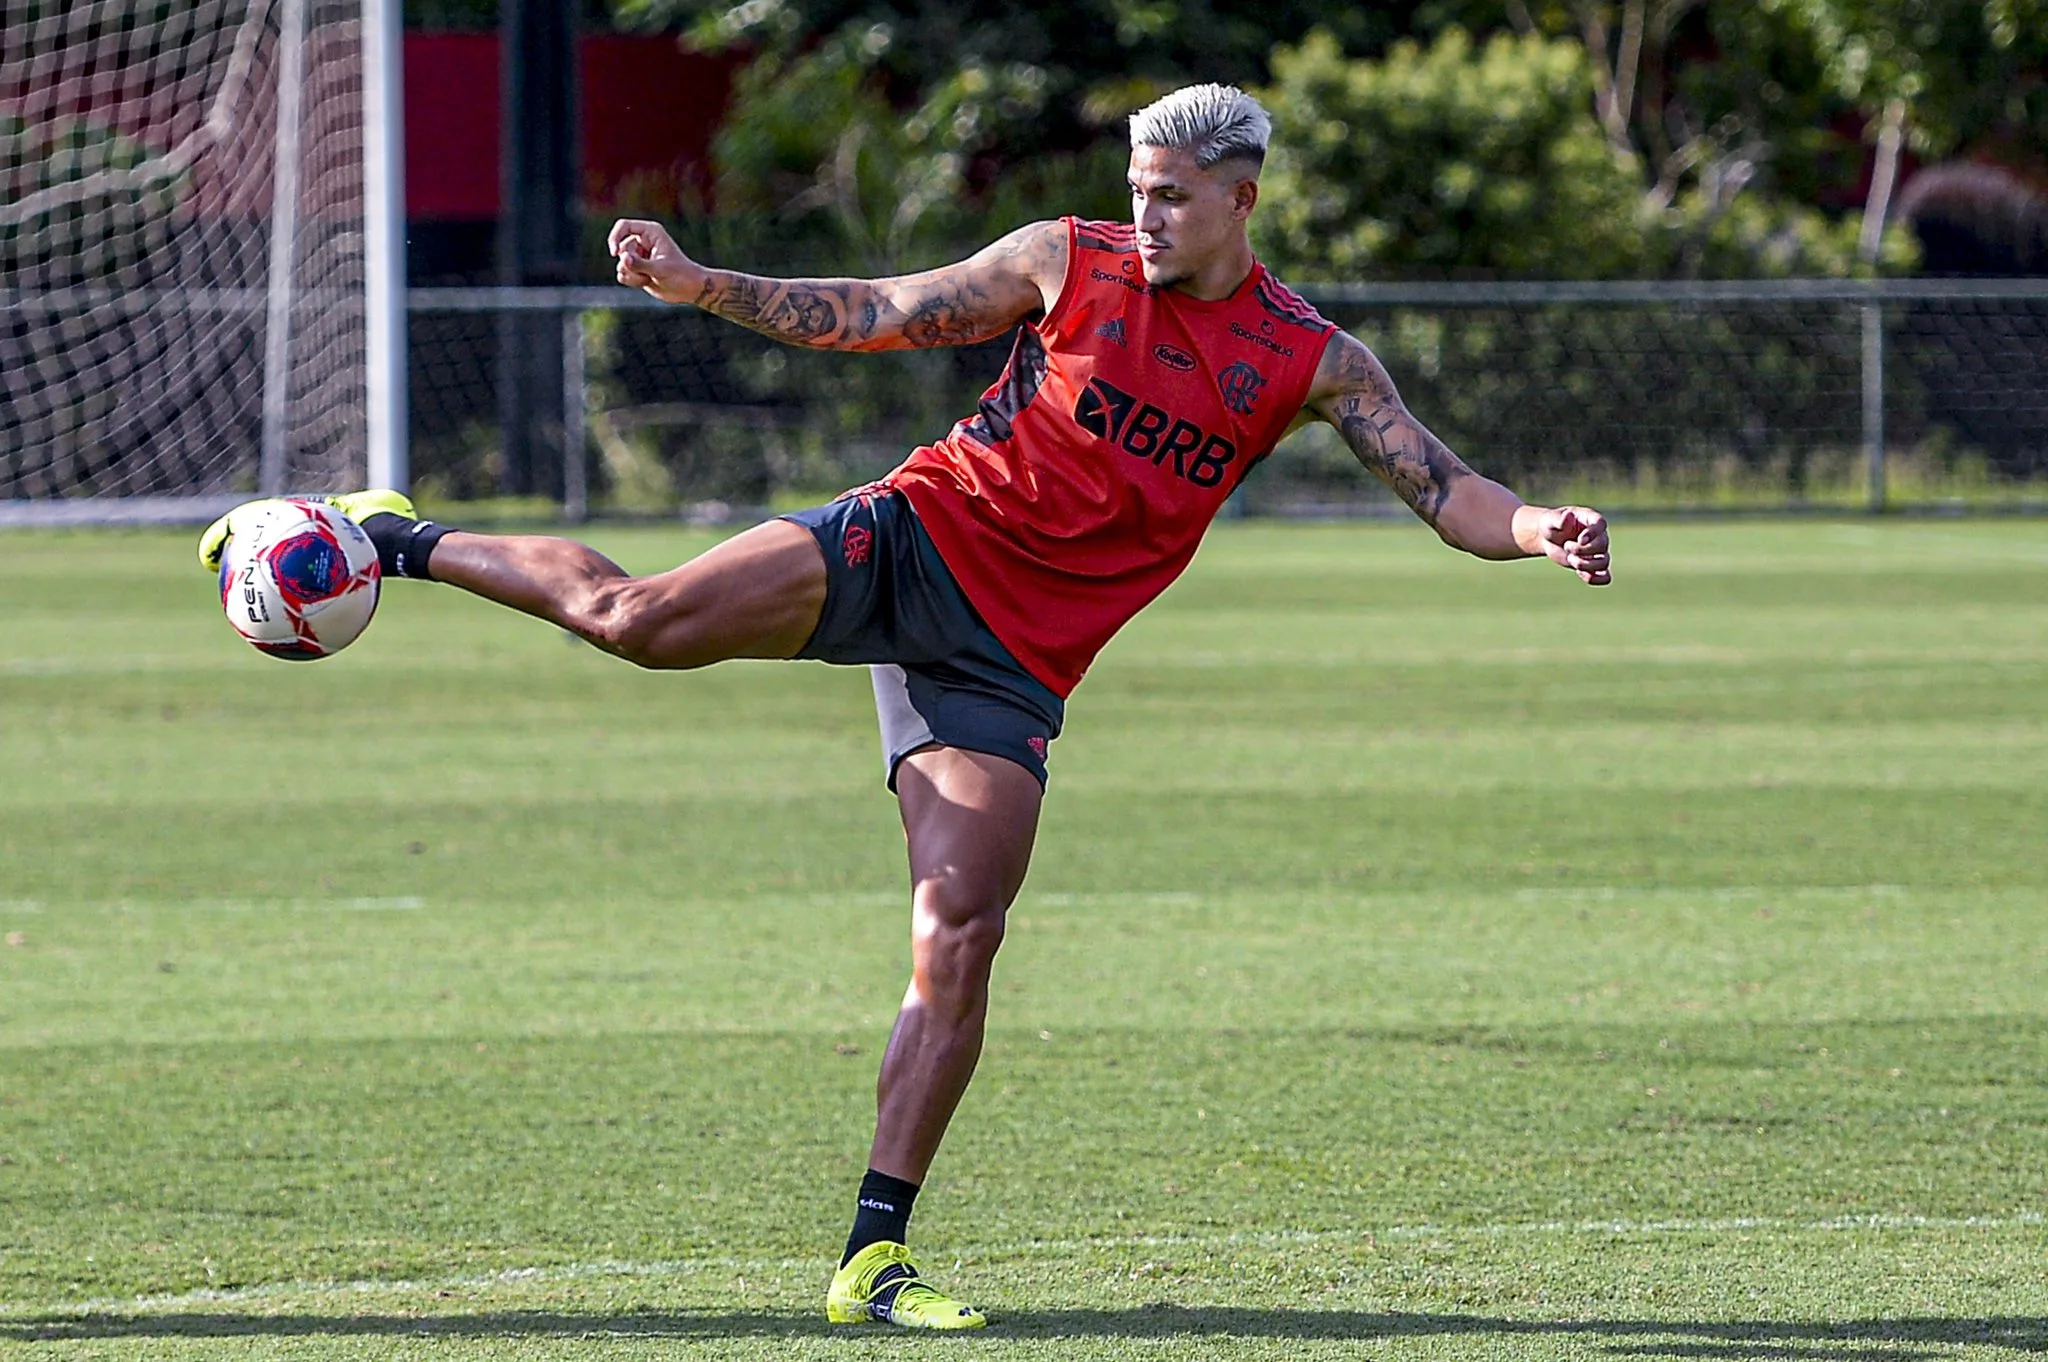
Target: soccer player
<point x="1155" y="363"/>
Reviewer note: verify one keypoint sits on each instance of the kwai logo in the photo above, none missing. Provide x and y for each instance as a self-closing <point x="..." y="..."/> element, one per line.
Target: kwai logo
<point x="1148" y="432"/>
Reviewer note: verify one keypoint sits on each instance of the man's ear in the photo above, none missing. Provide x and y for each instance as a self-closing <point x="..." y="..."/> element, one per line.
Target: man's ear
<point x="1244" y="196"/>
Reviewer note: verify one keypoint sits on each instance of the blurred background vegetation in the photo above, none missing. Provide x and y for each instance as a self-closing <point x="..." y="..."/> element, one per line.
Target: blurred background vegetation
<point x="1449" y="138"/>
<point x="1441" y="140"/>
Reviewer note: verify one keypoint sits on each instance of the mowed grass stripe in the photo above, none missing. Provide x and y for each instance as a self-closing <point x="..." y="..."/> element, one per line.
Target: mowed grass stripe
<point x="1871" y="1227"/>
<point x="1747" y="1295"/>
<point x="1361" y="840"/>
<point x="202" y="971"/>
<point x="233" y="1164"/>
<point x="1338" y="758"/>
<point x="1423" y="957"/>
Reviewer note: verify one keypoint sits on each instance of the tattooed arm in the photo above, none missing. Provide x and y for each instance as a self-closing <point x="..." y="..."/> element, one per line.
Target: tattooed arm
<point x="982" y="296"/>
<point x="1353" y="393"/>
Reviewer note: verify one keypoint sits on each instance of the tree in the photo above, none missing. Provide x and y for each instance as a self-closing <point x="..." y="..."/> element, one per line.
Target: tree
<point x="1788" y="93"/>
<point x="892" y="133"/>
<point x="1931" y="74"/>
<point x="1450" y="159"/>
<point x="1494" y="160"/>
<point x="816" y="160"/>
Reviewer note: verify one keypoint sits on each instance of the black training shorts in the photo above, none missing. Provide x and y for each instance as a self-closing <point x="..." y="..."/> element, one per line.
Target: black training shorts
<point x="941" y="675"/>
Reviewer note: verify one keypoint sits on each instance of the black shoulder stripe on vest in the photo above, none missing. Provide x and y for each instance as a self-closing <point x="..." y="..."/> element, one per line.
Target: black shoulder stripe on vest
<point x="1289" y="306"/>
<point x="1022" y="377"/>
<point x="1119" y="237"/>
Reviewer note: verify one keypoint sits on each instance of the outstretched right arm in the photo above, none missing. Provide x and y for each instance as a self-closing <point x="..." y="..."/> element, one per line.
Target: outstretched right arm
<point x="978" y="298"/>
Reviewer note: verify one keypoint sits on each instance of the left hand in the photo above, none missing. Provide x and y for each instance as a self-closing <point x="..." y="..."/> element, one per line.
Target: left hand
<point x="1570" y="536"/>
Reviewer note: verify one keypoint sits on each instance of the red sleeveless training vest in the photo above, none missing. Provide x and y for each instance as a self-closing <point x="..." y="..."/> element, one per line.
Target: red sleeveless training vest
<point x="1122" y="422"/>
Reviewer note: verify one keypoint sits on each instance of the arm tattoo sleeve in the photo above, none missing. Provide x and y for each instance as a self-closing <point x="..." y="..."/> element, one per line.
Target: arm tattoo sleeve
<point x="958" y="305"/>
<point x="947" y="315"/>
<point x="1386" y="439"/>
<point x="799" y="311"/>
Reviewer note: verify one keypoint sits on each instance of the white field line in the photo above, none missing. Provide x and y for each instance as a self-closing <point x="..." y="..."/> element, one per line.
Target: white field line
<point x="692" y="1267"/>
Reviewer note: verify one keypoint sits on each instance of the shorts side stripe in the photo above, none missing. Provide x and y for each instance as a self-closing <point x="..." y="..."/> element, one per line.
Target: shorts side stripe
<point x="904" y="730"/>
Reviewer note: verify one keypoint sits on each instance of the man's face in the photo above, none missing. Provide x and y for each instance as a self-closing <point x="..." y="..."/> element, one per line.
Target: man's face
<point x="1186" y="216"/>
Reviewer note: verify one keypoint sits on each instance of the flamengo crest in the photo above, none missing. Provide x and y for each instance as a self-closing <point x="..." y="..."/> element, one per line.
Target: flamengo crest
<point x="1240" y="384"/>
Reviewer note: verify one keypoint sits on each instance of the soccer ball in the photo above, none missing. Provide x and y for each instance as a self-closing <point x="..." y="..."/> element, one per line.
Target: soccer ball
<point x="298" y="579"/>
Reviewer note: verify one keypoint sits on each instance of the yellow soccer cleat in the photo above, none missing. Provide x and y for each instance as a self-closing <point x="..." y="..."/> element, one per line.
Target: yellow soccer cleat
<point x="881" y="1283"/>
<point x="213" y="541"/>
<point x="360" y="506"/>
<point x="357" y="506"/>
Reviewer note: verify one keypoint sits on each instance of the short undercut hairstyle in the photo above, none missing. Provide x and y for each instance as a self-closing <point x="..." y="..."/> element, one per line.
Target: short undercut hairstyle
<point x="1215" y="122"/>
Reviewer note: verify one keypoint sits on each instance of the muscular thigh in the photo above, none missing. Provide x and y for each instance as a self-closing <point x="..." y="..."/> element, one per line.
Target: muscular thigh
<point x="971" y="819"/>
<point x="757" y="594"/>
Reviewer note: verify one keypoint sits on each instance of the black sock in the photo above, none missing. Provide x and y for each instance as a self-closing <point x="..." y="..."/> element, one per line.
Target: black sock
<point x="403" y="546"/>
<point x="882" y="1214"/>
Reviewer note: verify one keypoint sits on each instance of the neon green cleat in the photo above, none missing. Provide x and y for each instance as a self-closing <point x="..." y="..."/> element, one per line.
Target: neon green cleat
<point x="360" y="506"/>
<point x="357" y="506"/>
<point x="882" y="1284"/>
<point x="213" y="541"/>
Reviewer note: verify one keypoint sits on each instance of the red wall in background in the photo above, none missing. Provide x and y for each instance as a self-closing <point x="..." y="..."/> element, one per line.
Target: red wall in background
<point x="649" y="111"/>
<point x="451" y="125"/>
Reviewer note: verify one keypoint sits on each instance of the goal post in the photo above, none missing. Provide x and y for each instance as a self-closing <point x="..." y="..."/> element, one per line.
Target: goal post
<point x="201" y="258"/>
<point x="383" y="45"/>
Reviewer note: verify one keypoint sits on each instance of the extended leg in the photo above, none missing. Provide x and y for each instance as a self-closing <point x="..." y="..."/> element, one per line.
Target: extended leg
<point x="757" y="594"/>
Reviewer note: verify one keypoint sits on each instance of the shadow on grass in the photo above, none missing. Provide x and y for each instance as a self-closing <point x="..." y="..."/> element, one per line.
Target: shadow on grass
<point x="1868" y="1340"/>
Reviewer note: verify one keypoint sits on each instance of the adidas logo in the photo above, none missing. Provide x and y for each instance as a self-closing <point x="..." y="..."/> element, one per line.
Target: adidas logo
<point x="1112" y="331"/>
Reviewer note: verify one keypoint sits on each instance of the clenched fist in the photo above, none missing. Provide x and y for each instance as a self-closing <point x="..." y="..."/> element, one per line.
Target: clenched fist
<point x="650" y="261"/>
<point x="1573" y="537"/>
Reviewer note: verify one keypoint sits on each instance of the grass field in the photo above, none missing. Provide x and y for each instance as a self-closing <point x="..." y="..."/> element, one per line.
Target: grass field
<point x="1423" y="959"/>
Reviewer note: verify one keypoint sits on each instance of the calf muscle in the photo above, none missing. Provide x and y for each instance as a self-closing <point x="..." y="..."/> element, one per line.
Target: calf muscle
<point x="758" y="594"/>
<point x="554" y="579"/>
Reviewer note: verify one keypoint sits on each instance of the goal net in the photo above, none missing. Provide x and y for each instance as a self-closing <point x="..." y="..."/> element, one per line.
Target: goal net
<point x="182" y="283"/>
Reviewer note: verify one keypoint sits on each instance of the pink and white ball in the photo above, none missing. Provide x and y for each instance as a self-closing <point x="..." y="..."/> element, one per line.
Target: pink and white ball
<point x="299" y="579"/>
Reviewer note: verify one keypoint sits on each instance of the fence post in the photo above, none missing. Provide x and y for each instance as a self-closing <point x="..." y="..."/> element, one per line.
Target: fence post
<point x="575" y="451"/>
<point x="1873" y="404"/>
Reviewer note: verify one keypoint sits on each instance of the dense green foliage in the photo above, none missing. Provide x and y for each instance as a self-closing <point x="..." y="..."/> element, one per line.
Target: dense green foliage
<point x="1777" y="73"/>
<point x="1424" y="957"/>
<point x="1967" y="71"/>
<point x="891" y="133"/>
<point x="1451" y="160"/>
<point x="819" y="163"/>
<point x="1446" y="159"/>
<point x="908" y="132"/>
<point x="867" y="137"/>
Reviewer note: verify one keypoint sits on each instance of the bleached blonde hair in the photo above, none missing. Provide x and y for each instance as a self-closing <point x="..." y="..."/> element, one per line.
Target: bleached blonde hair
<point x="1215" y="122"/>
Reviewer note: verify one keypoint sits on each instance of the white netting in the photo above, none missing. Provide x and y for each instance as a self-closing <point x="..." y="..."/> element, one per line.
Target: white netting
<point x="142" y="155"/>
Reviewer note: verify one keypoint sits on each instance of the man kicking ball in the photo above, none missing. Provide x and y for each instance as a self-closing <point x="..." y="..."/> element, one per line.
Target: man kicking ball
<point x="1155" y="363"/>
